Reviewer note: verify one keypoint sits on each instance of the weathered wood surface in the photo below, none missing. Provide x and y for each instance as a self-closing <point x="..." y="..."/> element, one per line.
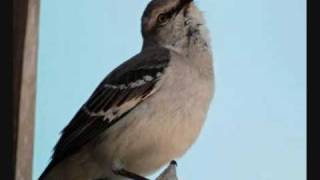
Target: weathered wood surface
<point x="25" y="28"/>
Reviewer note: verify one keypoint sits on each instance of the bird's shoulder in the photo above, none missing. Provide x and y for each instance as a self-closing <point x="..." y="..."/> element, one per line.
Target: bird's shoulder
<point x="148" y="58"/>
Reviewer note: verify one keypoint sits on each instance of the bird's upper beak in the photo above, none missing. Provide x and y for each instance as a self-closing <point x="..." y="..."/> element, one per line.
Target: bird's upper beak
<point x="183" y="4"/>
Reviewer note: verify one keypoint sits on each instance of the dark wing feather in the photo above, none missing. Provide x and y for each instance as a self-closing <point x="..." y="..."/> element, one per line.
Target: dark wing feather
<point x="115" y="90"/>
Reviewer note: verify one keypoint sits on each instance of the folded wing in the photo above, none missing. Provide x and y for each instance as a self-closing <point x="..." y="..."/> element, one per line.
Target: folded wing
<point x="118" y="94"/>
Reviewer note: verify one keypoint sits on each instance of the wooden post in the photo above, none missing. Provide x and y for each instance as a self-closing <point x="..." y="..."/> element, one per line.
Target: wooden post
<point x="25" y="29"/>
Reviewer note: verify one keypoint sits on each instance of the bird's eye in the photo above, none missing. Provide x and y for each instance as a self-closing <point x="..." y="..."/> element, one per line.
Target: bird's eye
<point x="163" y="19"/>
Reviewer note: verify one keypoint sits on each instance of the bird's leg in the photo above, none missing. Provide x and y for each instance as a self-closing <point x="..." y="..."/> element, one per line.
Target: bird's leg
<point x="128" y="174"/>
<point x="169" y="173"/>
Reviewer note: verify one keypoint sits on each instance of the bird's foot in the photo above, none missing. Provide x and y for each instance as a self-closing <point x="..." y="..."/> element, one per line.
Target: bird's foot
<point x="128" y="174"/>
<point x="169" y="173"/>
<point x="173" y="162"/>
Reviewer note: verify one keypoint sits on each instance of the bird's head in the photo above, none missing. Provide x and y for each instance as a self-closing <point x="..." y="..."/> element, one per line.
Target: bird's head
<point x="170" y="22"/>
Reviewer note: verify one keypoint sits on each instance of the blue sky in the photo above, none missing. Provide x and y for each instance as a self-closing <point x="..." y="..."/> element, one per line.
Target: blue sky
<point x="255" y="128"/>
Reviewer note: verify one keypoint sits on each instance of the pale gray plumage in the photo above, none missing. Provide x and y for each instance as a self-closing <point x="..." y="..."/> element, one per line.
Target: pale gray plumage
<point x="150" y="109"/>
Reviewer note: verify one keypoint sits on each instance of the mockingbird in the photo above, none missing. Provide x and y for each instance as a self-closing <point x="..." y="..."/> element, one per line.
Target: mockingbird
<point x="150" y="109"/>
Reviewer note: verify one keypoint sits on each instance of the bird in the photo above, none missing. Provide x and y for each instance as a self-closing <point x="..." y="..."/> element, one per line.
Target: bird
<point x="150" y="109"/>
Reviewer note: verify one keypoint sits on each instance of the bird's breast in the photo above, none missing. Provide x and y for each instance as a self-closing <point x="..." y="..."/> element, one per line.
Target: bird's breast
<point x="164" y="126"/>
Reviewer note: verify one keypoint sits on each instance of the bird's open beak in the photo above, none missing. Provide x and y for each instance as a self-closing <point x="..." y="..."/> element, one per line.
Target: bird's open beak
<point x="183" y="4"/>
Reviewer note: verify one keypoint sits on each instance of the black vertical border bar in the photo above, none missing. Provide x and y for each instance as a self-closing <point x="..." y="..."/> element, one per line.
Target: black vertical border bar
<point x="6" y="93"/>
<point x="313" y="108"/>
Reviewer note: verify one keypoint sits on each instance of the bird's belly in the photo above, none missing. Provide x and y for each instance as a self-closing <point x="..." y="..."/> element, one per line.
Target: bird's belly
<point x="158" y="130"/>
